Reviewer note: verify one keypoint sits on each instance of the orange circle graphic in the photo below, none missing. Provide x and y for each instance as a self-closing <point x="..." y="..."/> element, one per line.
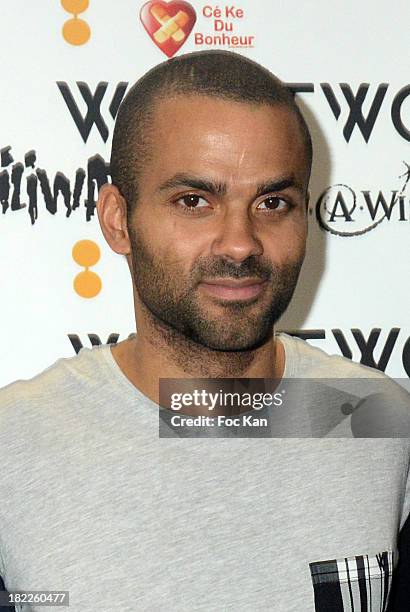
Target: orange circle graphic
<point x="86" y="253"/>
<point x="87" y="284"/>
<point x="75" y="6"/>
<point x="76" y="31"/>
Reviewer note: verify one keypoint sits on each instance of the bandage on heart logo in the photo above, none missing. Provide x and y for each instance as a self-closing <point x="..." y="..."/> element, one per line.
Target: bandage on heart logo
<point x="168" y="23"/>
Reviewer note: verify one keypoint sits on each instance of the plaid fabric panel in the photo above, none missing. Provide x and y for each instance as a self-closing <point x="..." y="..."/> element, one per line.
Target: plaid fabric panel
<point x="353" y="584"/>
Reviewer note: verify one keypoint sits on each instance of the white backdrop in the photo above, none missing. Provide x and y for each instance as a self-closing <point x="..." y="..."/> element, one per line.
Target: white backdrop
<point x="354" y="292"/>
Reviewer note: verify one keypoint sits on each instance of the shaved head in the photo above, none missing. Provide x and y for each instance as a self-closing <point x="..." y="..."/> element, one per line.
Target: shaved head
<point x="219" y="74"/>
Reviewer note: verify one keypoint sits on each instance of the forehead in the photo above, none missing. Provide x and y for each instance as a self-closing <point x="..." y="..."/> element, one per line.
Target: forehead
<point x="230" y="139"/>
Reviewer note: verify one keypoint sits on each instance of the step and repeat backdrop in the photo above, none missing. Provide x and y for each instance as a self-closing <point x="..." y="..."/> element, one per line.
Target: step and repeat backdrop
<point x="66" y="66"/>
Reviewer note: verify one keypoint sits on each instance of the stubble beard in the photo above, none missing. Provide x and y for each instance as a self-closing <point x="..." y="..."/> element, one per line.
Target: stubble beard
<point x="174" y="306"/>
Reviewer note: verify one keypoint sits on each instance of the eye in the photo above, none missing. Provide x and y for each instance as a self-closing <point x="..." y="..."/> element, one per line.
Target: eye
<point x="273" y="203"/>
<point x="192" y="201"/>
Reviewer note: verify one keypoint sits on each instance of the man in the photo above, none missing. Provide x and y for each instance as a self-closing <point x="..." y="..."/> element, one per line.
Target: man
<point x="210" y="169"/>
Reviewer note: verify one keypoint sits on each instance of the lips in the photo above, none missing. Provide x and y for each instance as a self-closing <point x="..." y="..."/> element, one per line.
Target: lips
<point x="234" y="289"/>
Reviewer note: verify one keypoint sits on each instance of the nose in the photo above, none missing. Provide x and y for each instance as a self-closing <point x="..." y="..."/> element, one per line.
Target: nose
<point x="236" y="238"/>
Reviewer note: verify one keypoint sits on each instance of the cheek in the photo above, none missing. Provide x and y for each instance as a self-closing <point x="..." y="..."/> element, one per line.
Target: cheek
<point x="163" y="237"/>
<point x="298" y="239"/>
<point x="180" y="250"/>
<point x="182" y="243"/>
<point x="286" y="244"/>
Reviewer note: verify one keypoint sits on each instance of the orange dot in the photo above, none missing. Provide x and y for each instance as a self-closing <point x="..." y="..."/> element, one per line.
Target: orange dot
<point x="75" y="6"/>
<point x="87" y="284"/>
<point x="76" y="31"/>
<point x="86" y="253"/>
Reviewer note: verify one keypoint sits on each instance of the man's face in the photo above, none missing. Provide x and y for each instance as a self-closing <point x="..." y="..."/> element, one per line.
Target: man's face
<point x="218" y="234"/>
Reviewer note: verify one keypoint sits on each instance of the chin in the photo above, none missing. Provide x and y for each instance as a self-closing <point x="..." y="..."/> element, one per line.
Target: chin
<point x="233" y="344"/>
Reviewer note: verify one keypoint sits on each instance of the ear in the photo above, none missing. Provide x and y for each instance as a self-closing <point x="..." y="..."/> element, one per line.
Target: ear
<point x="112" y="215"/>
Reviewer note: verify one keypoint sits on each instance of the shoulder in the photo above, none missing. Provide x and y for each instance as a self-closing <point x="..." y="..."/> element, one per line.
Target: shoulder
<point x="65" y="379"/>
<point x="377" y="406"/>
<point x="306" y="361"/>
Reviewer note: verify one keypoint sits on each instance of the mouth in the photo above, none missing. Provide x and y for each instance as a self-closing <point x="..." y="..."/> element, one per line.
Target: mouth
<point x="234" y="289"/>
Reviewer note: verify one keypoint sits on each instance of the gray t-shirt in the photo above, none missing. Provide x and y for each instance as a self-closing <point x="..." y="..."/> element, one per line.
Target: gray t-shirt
<point x="93" y="501"/>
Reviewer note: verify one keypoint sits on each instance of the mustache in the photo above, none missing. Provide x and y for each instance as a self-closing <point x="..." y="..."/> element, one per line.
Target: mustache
<point x="221" y="268"/>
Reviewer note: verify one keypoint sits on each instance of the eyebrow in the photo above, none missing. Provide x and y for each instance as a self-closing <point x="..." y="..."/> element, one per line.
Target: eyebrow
<point x="214" y="188"/>
<point x="187" y="180"/>
<point x="278" y="184"/>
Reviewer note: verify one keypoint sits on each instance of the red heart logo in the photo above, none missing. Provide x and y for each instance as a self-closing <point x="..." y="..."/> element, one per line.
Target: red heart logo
<point x="168" y="23"/>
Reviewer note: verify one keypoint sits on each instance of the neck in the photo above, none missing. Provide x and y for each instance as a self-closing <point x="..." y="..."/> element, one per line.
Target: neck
<point x="158" y="351"/>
